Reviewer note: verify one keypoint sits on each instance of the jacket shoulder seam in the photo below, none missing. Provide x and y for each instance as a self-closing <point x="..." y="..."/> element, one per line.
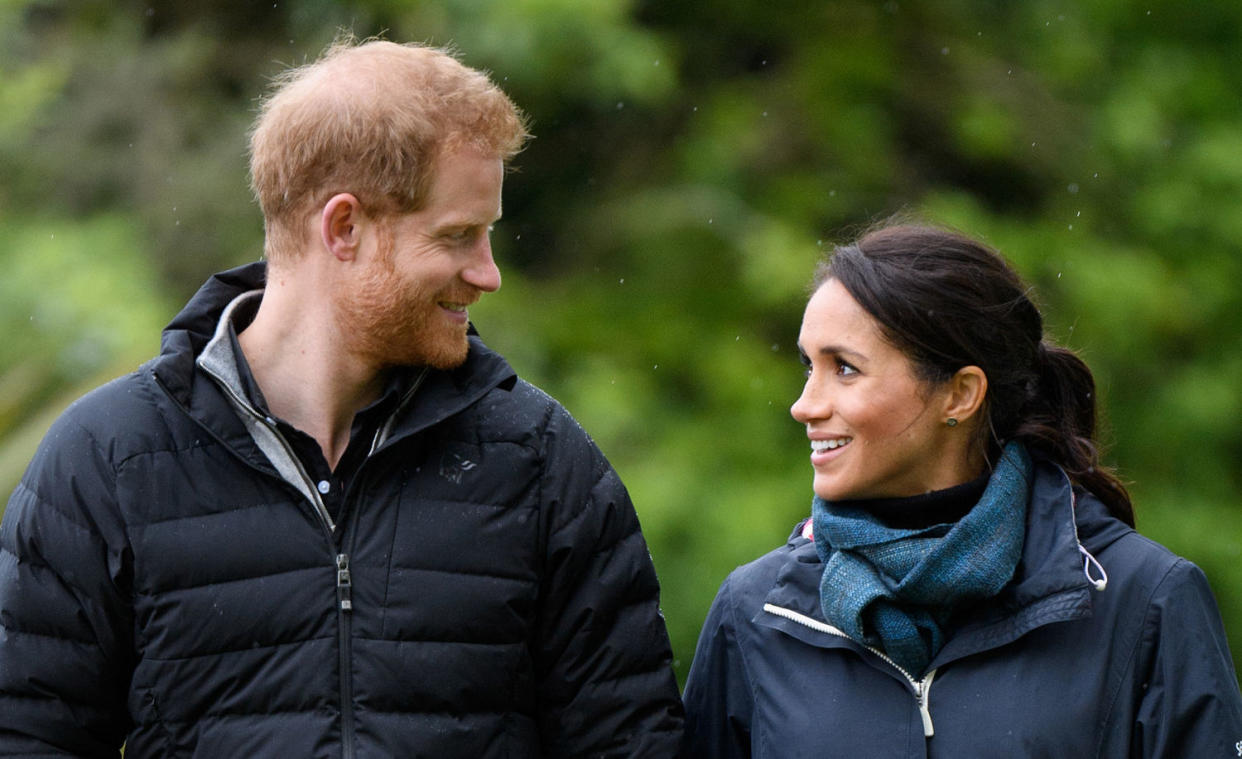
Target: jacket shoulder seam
<point x="731" y="606"/>
<point x="1132" y="656"/>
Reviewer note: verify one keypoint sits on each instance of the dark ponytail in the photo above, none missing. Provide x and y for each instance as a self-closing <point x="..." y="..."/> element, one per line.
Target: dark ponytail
<point x="1060" y="422"/>
<point x="947" y="302"/>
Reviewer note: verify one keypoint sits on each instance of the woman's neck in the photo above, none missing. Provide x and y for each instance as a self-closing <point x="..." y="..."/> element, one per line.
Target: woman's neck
<point x="926" y="509"/>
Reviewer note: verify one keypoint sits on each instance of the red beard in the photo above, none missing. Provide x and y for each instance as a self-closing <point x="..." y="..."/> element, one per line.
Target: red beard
<point x="398" y="323"/>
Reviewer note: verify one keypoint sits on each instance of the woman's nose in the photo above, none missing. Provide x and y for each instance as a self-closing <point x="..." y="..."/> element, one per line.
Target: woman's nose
<point x="812" y="404"/>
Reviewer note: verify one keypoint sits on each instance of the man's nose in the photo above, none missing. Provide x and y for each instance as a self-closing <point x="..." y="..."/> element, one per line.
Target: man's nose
<point x="482" y="271"/>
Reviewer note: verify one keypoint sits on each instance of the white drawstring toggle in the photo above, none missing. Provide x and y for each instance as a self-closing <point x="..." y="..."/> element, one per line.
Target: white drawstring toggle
<point x="1088" y="562"/>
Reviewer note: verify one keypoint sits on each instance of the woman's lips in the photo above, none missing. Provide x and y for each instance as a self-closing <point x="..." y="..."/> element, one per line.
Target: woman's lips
<point x="824" y="449"/>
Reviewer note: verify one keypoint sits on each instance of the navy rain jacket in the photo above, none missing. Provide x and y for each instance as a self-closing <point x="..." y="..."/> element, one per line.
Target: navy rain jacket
<point x="170" y="579"/>
<point x="1050" y="668"/>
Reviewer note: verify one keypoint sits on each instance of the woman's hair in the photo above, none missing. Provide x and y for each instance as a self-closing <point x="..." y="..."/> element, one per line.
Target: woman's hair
<point x="370" y="119"/>
<point x="947" y="301"/>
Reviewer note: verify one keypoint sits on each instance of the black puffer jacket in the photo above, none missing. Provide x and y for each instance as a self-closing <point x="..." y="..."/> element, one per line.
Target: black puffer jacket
<point x="486" y="592"/>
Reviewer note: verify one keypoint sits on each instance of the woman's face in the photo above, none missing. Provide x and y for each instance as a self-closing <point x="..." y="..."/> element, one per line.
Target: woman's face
<point x="876" y="430"/>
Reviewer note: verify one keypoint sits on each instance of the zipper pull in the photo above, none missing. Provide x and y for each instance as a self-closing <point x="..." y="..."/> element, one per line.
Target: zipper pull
<point x="344" y="585"/>
<point x="923" y="694"/>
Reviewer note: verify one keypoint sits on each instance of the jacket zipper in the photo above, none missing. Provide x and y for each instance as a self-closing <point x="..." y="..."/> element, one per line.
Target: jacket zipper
<point x="344" y="579"/>
<point x="921" y="688"/>
<point x="345" y="607"/>
<point x="381" y="435"/>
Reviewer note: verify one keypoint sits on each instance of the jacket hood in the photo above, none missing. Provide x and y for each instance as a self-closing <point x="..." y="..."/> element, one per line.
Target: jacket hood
<point x="196" y="323"/>
<point x="191" y="329"/>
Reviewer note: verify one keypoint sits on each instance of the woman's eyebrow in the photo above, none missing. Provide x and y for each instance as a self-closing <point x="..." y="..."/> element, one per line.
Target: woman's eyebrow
<point x="836" y="350"/>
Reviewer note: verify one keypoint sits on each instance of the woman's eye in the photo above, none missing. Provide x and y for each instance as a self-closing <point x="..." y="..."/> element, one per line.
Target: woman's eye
<point x="845" y="368"/>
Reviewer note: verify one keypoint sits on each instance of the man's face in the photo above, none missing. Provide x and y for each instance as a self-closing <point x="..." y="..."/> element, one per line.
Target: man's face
<point x="407" y="305"/>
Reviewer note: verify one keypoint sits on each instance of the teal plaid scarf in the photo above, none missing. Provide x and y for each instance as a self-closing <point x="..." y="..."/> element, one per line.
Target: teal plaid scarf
<point x="895" y="589"/>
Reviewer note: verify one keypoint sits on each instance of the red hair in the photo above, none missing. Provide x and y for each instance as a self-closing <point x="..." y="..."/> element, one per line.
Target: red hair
<point x="369" y="119"/>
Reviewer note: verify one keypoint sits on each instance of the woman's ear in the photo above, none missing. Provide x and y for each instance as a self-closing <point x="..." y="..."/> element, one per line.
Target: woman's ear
<point x="338" y="226"/>
<point x="967" y="389"/>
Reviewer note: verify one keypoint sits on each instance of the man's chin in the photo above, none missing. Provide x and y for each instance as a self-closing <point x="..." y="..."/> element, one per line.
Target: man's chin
<point x="447" y="362"/>
<point x="443" y="354"/>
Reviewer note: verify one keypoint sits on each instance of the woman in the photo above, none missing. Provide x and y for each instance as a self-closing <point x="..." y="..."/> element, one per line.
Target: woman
<point x="969" y="583"/>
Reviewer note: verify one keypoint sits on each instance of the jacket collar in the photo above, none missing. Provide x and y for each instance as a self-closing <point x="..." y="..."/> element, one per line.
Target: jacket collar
<point x="1049" y="584"/>
<point x="188" y="333"/>
<point x="200" y="324"/>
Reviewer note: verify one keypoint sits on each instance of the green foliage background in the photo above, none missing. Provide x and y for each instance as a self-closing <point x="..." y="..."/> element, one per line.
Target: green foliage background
<point x="692" y="162"/>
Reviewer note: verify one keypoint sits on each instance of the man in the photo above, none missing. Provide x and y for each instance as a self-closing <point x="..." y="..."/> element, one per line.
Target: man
<point x="327" y="521"/>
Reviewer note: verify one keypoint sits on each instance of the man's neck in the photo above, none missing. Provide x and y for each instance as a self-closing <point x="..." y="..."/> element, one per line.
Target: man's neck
<point x="307" y="375"/>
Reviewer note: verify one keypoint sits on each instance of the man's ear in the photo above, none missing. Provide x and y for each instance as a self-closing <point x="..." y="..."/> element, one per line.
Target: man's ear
<point x="339" y="226"/>
<point x="967" y="389"/>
